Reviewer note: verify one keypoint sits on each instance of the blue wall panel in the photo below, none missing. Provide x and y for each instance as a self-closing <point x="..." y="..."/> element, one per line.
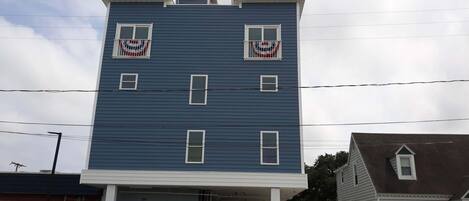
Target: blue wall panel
<point x="197" y="40"/>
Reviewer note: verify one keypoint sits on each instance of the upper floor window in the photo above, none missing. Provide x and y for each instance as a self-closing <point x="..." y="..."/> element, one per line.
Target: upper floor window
<point x="269" y="83"/>
<point x="198" y="90"/>
<point x="129" y="81"/>
<point x="263" y="42"/>
<point x="195" y="146"/>
<point x="355" y="174"/>
<point x="132" y="41"/>
<point x="342" y="176"/>
<point x="405" y="164"/>
<point x="269" y="148"/>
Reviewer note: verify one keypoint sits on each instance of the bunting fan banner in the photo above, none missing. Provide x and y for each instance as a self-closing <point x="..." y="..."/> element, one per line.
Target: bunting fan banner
<point x="265" y="48"/>
<point x="133" y="47"/>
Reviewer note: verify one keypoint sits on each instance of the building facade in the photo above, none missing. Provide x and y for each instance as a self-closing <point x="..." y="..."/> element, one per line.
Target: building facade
<point x="198" y="101"/>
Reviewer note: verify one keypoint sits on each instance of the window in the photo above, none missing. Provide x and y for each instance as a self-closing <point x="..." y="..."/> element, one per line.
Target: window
<point x="128" y="81"/>
<point x="198" y="90"/>
<point x="133" y="41"/>
<point x="263" y="42"/>
<point x="405" y="163"/>
<point x="269" y="148"/>
<point x="342" y="175"/>
<point x="195" y="146"/>
<point x="269" y="83"/>
<point x="406" y="167"/>
<point x="355" y="174"/>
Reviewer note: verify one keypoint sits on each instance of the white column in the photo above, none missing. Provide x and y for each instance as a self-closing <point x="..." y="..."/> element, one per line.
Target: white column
<point x="274" y="194"/>
<point x="111" y="193"/>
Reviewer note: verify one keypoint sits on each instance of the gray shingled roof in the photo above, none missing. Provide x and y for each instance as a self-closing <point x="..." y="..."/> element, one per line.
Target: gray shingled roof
<point x="442" y="162"/>
<point x="59" y="184"/>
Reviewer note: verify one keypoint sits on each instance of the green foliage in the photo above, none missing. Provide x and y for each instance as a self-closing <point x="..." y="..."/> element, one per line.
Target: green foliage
<point x="321" y="178"/>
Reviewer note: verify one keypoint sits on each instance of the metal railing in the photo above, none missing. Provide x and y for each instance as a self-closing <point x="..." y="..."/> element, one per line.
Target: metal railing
<point x="132" y="48"/>
<point x="263" y="50"/>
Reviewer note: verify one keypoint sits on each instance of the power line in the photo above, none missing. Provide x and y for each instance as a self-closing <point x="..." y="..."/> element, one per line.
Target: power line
<point x="385" y="12"/>
<point x="303" y="40"/>
<point x="305" y="14"/>
<point x="188" y="125"/>
<point x="303" y="27"/>
<point x="235" y="89"/>
<point x="381" y="24"/>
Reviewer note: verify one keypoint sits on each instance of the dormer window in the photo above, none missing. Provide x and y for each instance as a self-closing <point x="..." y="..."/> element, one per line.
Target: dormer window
<point x="405" y="164"/>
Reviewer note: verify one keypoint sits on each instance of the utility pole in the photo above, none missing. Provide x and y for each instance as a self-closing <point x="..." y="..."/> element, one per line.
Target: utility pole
<point x="17" y="165"/>
<point x="56" y="150"/>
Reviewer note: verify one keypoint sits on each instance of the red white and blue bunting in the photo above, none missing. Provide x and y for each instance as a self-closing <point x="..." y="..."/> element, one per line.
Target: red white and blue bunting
<point x="265" y="48"/>
<point x="133" y="48"/>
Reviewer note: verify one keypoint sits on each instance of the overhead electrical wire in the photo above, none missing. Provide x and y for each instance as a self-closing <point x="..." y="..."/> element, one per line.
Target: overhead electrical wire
<point x="304" y="14"/>
<point x="189" y="125"/>
<point x="167" y="90"/>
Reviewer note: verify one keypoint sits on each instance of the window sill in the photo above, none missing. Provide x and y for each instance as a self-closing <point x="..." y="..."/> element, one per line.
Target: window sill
<point x="262" y="59"/>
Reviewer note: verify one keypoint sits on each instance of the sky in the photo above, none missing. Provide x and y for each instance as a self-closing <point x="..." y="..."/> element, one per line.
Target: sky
<point x="342" y="42"/>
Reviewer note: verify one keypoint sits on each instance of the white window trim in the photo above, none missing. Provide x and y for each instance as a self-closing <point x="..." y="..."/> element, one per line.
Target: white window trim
<point x="246" y="40"/>
<point x="117" y="37"/>
<point x="203" y="147"/>
<point x="356" y="180"/>
<point x="412" y="167"/>
<point x="121" y="81"/>
<point x="206" y="87"/>
<point x="269" y="76"/>
<point x="277" y="147"/>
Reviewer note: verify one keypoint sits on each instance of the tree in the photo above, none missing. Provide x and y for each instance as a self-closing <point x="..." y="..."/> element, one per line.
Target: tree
<point x="321" y="178"/>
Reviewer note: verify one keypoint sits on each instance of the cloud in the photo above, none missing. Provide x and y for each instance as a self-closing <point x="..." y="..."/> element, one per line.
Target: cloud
<point x="39" y="63"/>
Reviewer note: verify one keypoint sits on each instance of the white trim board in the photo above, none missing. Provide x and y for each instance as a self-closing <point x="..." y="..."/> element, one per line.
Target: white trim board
<point x="194" y="178"/>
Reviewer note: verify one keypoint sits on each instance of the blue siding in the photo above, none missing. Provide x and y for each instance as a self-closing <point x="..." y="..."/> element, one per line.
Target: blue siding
<point x="197" y="40"/>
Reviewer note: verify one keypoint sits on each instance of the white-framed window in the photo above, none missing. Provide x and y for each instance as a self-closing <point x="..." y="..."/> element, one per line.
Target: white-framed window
<point x="128" y="81"/>
<point x="269" y="148"/>
<point x="132" y="41"/>
<point x="195" y="146"/>
<point x="263" y="42"/>
<point x="269" y="83"/>
<point x="405" y="163"/>
<point x="198" y="90"/>
<point x="406" y="167"/>
<point x="355" y="174"/>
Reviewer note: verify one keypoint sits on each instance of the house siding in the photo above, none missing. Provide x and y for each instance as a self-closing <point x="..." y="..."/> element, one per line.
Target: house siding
<point x="148" y="130"/>
<point x="347" y="191"/>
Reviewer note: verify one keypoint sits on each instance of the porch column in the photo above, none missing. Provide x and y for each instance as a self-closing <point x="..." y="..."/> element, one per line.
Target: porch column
<point x="111" y="193"/>
<point x="274" y="194"/>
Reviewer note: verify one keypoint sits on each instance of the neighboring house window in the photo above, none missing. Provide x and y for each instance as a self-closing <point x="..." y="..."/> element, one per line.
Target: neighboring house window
<point x="195" y="146"/>
<point x="263" y="42"/>
<point x="198" y="90"/>
<point x="355" y="174"/>
<point x="342" y="175"/>
<point x="269" y="148"/>
<point x="405" y="162"/>
<point x="132" y="41"/>
<point x="269" y="83"/>
<point x="129" y="81"/>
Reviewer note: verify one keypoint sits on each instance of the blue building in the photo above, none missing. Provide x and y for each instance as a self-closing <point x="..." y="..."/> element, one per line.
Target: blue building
<point x="198" y="101"/>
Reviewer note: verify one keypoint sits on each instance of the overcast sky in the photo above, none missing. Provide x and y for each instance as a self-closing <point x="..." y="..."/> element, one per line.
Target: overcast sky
<point x="31" y="57"/>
